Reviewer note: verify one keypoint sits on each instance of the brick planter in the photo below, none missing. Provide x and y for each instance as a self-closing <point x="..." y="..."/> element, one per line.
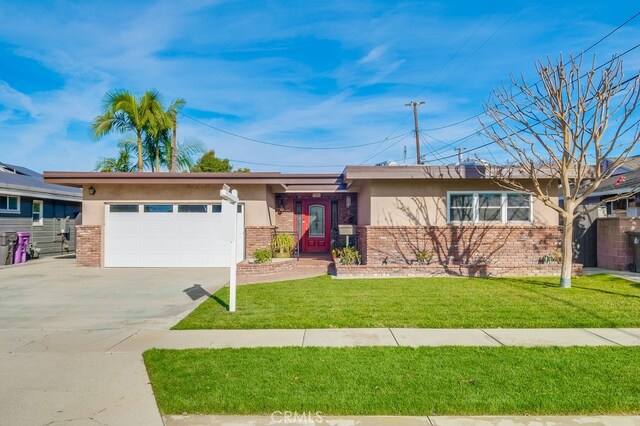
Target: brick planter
<point x="381" y="271"/>
<point x="246" y="269"/>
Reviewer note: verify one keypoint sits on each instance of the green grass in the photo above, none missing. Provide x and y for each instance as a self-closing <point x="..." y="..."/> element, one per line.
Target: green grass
<point x="322" y="302"/>
<point x="398" y="380"/>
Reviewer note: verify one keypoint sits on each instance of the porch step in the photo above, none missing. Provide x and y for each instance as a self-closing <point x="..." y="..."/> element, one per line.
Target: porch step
<point x="320" y="261"/>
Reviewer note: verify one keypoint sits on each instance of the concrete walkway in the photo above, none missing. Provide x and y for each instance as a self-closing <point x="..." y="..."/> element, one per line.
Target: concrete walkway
<point x="630" y="276"/>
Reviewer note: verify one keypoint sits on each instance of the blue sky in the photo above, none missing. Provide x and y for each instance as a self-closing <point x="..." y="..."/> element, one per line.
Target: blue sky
<point x="309" y="74"/>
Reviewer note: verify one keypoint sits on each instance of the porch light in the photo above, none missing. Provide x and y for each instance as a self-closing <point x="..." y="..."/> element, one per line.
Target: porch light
<point x="91" y="190"/>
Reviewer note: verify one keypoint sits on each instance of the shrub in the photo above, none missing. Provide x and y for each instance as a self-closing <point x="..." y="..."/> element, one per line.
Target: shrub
<point x="283" y="244"/>
<point x="424" y="257"/>
<point x="262" y="255"/>
<point x="553" y="257"/>
<point x="348" y="256"/>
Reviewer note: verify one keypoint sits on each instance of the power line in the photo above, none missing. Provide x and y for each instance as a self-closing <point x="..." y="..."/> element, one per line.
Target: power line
<point x="523" y="129"/>
<point x="459" y="141"/>
<point x="285" y="145"/>
<point x="305" y="166"/>
<point x="610" y="33"/>
<point x="387" y="148"/>
<point x="427" y="149"/>
<point x="443" y="67"/>
<point x="504" y="24"/>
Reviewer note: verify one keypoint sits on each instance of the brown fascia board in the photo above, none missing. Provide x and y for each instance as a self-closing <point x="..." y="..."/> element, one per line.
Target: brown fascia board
<point x="356" y="173"/>
<point x="78" y="179"/>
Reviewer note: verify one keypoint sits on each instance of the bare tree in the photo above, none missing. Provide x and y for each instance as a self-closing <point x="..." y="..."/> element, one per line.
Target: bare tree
<point x="572" y="128"/>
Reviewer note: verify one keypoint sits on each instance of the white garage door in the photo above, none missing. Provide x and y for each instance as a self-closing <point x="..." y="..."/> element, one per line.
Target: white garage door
<point x="170" y="235"/>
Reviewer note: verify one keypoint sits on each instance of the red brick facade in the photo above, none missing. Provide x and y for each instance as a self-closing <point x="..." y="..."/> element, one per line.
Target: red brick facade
<point x="500" y="246"/>
<point x="614" y="250"/>
<point x="89" y="245"/>
<point x="257" y="237"/>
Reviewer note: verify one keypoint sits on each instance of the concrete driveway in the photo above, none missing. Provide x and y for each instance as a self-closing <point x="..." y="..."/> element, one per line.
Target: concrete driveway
<point x="58" y="323"/>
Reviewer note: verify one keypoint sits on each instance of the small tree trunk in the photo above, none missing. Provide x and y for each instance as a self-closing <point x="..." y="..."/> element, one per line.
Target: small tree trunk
<point x="174" y="145"/>
<point x="567" y="253"/>
<point x="140" y="164"/>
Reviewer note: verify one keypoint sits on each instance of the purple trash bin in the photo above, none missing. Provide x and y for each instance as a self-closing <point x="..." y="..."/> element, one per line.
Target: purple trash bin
<point x="20" y="255"/>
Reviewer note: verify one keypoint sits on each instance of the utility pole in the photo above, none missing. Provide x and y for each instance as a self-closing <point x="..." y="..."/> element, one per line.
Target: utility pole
<point x="460" y="151"/>
<point x="415" y="105"/>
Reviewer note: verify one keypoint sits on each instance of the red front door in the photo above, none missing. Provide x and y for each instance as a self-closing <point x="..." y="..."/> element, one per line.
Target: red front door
<point x="316" y="225"/>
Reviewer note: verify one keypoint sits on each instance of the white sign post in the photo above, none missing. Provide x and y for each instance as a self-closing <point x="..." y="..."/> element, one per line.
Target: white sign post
<point x="231" y="196"/>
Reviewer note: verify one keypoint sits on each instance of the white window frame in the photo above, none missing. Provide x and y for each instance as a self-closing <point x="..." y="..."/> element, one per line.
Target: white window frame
<point x="476" y="207"/>
<point x="40" y="220"/>
<point x="7" y="209"/>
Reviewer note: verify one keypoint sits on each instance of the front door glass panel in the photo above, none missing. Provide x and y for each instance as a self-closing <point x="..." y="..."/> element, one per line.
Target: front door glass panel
<point x="316" y="221"/>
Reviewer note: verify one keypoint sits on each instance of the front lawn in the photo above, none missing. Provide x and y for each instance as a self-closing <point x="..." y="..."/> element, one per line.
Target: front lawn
<point x="322" y="302"/>
<point x="397" y="380"/>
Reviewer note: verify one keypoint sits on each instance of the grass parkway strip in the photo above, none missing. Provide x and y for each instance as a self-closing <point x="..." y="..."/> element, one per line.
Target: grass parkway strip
<point x="397" y="380"/>
<point x="598" y="301"/>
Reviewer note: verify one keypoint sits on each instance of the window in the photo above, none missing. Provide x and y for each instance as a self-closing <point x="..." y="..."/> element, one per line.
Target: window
<point x="192" y="208"/>
<point x="518" y="208"/>
<point x="461" y="207"/>
<point x="9" y="204"/>
<point x="489" y="207"/>
<point x="158" y="208"/>
<point x="316" y="221"/>
<point x="298" y="212"/>
<point x="239" y="208"/>
<point x="36" y="213"/>
<point x="216" y="208"/>
<point x="124" y="208"/>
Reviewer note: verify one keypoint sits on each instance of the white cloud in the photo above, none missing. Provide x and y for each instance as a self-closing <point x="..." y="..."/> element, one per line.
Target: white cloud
<point x="374" y="54"/>
<point x="14" y="100"/>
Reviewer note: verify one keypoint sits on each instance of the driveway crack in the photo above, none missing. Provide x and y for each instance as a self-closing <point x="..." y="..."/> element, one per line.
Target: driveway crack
<point x="123" y="340"/>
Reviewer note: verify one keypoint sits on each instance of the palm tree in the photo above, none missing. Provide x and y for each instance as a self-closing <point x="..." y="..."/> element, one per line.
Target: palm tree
<point x="172" y="113"/>
<point x="187" y="151"/>
<point x="123" y="163"/>
<point x="158" y="152"/>
<point x="123" y="112"/>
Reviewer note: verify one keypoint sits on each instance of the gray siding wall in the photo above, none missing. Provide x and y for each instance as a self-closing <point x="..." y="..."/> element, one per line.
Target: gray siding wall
<point x="46" y="237"/>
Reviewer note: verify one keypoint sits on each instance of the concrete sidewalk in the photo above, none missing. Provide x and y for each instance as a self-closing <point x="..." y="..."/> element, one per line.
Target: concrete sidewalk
<point x="341" y="337"/>
<point x="137" y="341"/>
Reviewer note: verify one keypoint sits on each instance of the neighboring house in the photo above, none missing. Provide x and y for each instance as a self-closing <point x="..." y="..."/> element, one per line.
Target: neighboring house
<point x="398" y="212"/>
<point x="28" y="204"/>
<point x="626" y="179"/>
